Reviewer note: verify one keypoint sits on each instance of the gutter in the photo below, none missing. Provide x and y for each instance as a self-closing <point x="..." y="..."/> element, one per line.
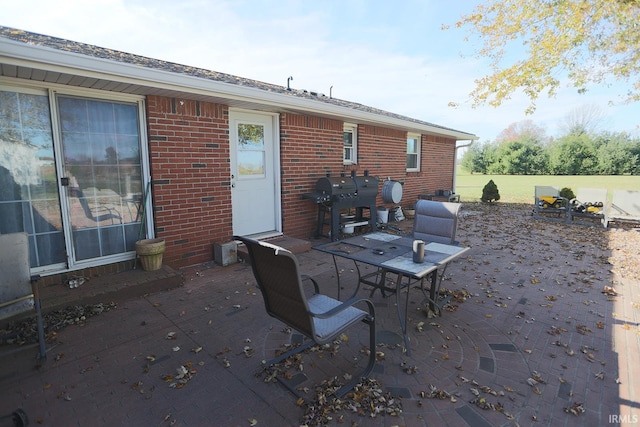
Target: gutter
<point x="455" y="164"/>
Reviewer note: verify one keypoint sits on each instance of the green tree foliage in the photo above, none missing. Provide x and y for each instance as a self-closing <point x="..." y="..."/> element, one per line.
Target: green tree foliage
<point x="586" y="41"/>
<point x="616" y="155"/>
<point x="572" y="154"/>
<point x="475" y="159"/>
<point x="567" y="193"/>
<point x="519" y="150"/>
<point x="519" y="158"/>
<point x="490" y="192"/>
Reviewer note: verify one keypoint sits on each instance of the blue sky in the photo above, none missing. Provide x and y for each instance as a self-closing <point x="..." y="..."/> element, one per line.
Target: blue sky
<point x="391" y="55"/>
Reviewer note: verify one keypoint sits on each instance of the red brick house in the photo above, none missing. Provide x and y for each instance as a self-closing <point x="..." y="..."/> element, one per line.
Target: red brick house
<point x="85" y="131"/>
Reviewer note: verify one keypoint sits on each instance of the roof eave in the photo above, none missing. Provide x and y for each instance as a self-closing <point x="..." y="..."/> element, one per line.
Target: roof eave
<point x="50" y="59"/>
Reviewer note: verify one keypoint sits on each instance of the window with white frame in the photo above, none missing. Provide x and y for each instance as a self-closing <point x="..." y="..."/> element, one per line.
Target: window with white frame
<point x="413" y="152"/>
<point x="350" y="144"/>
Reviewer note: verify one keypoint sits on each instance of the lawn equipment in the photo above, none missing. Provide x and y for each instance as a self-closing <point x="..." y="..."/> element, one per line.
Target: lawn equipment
<point x="586" y="207"/>
<point x="550" y="201"/>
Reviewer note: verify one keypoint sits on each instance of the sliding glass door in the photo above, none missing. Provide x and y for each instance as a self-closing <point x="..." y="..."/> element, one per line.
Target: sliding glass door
<point x="29" y="200"/>
<point x="70" y="176"/>
<point x="102" y="175"/>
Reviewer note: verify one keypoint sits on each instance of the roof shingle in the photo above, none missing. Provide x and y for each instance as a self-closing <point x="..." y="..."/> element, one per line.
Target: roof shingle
<point x="157" y="64"/>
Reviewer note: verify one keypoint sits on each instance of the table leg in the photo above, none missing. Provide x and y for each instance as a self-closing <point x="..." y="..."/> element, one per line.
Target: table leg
<point x="434" y="304"/>
<point x="403" y="318"/>
<point x="335" y="265"/>
<point x="433" y="292"/>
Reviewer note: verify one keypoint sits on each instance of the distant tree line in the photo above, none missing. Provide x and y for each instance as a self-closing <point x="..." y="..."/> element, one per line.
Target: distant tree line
<point x="526" y="151"/>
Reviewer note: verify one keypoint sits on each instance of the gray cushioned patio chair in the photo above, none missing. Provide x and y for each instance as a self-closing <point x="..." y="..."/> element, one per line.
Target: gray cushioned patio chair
<point x="624" y="208"/>
<point x="435" y="222"/>
<point x="319" y="318"/>
<point x="18" y="289"/>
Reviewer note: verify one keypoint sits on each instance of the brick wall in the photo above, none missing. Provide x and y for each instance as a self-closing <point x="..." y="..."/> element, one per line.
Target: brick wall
<point x="437" y="163"/>
<point x="311" y="147"/>
<point x="189" y="154"/>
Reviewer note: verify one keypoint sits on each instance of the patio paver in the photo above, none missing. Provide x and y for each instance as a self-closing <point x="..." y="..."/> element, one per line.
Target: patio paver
<point x="534" y="306"/>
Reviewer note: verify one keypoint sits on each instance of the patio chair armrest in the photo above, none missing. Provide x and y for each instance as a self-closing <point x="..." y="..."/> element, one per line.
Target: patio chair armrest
<point x="345" y="305"/>
<point x="315" y="284"/>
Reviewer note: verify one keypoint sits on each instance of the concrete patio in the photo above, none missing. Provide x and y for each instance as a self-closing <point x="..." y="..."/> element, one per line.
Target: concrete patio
<point x="533" y="309"/>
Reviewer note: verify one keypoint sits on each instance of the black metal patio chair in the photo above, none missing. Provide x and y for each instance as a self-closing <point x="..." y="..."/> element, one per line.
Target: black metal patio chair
<point x="319" y="318"/>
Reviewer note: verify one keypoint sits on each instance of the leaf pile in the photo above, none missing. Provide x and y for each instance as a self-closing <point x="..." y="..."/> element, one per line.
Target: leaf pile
<point x="366" y="400"/>
<point x="25" y="331"/>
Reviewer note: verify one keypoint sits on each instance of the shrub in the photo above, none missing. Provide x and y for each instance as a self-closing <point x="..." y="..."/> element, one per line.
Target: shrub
<point x="490" y="192"/>
<point x="567" y="193"/>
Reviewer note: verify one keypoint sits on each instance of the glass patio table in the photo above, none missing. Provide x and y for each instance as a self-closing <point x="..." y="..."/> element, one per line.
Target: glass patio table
<point x="393" y="254"/>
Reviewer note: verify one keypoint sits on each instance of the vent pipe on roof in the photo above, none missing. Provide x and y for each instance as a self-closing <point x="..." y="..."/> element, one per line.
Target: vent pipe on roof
<point x="288" y="80"/>
<point x="330" y="92"/>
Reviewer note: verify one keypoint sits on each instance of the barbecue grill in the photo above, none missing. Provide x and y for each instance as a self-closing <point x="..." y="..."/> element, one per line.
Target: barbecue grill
<point x="334" y="194"/>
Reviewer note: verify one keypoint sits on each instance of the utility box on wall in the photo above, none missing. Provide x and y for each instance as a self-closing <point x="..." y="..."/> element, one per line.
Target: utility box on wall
<point x="225" y="253"/>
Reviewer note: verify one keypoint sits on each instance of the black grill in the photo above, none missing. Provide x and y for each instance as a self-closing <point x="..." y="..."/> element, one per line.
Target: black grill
<point x="337" y="187"/>
<point x="336" y="194"/>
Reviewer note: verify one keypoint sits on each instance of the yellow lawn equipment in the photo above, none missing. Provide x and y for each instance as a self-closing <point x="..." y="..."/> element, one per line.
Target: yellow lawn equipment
<point x="586" y="207"/>
<point x="550" y="202"/>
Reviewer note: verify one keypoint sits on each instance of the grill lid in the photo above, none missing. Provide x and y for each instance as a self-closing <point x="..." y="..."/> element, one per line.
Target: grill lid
<point x="336" y="185"/>
<point x="367" y="186"/>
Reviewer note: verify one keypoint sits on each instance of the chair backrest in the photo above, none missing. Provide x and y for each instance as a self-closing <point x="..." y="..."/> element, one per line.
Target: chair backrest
<point x="436" y="221"/>
<point x="16" y="293"/>
<point x="545" y="190"/>
<point x="626" y="203"/>
<point x="592" y="195"/>
<point x="278" y="277"/>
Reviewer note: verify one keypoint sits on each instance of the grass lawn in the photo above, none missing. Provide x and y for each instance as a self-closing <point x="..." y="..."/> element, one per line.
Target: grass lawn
<point x="520" y="188"/>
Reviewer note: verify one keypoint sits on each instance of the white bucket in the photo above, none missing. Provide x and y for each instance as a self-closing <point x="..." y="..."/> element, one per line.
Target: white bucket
<point x="383" y="215"/>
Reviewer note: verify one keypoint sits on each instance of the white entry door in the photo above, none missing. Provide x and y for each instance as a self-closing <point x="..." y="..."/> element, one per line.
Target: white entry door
<point x="255" y="173"/>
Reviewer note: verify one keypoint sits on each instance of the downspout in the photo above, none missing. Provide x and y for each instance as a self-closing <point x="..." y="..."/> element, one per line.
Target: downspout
<point x="455" y="162"/>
